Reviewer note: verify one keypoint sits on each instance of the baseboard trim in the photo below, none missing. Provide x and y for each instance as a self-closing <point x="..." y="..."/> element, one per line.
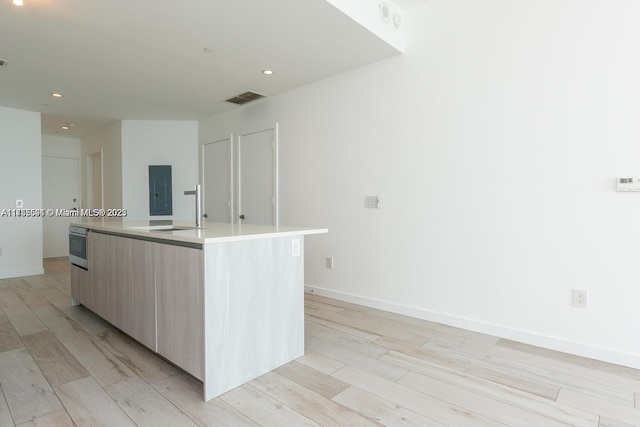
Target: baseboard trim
<point x="553" y="343"/>
<point x="20" y="273"/>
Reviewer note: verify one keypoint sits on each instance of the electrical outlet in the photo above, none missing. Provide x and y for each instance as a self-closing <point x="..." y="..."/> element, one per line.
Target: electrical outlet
<point x="580" y="298"/>
<point x="328" y="262"/>
<point x="295" y="248"/>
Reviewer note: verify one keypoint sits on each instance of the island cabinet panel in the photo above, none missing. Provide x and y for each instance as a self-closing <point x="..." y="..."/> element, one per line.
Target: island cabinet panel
<point x="101" y="253"/>
<point x="135" y="295"/>
<point x="122" y="285"/>
<point x="180" y="305"/>
<point x="254" y="321"/>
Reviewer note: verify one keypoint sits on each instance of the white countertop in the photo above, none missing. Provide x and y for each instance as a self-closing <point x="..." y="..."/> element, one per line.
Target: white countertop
<point x="213" y="232"/>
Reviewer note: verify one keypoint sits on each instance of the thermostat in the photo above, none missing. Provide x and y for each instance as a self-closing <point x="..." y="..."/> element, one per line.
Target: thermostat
<point x="628" y="184"/>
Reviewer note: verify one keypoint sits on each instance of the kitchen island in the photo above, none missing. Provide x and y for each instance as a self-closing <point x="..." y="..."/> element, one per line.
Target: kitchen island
<point x="224" y="301"/>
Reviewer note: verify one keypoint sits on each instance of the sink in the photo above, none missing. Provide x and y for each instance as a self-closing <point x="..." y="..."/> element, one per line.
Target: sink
<point x="163" y="228"/>
<point x="172" y="229"/>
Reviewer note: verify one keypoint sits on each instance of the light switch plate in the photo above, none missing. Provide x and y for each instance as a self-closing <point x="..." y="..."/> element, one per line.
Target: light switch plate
<point x="372" y="202"/>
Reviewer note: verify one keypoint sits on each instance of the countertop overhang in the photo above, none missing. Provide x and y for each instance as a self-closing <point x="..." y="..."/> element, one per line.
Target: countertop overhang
<point x="212" y="232"/>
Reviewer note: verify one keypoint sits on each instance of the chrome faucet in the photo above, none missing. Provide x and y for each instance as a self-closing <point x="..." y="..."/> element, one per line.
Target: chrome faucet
<point x="198" y="193"/>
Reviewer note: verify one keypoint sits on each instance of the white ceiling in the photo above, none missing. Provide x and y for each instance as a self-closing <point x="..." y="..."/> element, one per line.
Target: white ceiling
<point x="146" y="59"/>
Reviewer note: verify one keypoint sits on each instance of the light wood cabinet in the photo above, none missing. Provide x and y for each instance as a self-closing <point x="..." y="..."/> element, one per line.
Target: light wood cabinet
<point x="180" y="305"/>
<point x="134" y="296"/>
<point x="101" y="264"/>
<point x="79" y="283"/>
<point x="122" y="284"/>
<point x="151" y="291"/>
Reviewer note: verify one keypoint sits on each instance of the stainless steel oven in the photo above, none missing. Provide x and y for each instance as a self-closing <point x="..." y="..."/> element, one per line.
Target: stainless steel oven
<point x="78" y="246"/>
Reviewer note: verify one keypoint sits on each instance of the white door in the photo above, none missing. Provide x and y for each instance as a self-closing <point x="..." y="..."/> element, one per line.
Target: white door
<point x="59" y="191"/>
<point x="216" y="180"/>
<point x="257" y="177"/>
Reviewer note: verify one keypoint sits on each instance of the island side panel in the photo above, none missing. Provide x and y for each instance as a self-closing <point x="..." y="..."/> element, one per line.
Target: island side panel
<point x="254" y="310"/>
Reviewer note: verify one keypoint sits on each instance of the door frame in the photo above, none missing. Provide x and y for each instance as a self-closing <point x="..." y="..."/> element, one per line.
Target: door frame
<point x="274" y="147"/>
<point x="230" y="156"/>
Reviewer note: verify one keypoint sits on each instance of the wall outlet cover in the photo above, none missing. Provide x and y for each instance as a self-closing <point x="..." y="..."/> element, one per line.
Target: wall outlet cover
<point x="295" y="248"/>
<point x="580" y="298"/>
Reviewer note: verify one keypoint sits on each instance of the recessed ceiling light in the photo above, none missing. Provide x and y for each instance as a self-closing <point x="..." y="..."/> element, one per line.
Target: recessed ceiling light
<point x="267" y="72"/>
<point x="56" y="95"/>
<point x="18" y="2"/>
<point x="64" y="127"/>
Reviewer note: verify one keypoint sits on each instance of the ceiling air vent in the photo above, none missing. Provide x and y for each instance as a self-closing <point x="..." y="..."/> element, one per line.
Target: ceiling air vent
<point x="243" y="98"/>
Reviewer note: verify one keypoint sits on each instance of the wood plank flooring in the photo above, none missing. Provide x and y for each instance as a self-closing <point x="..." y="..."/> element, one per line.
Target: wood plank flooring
<point x="64" y="366"/>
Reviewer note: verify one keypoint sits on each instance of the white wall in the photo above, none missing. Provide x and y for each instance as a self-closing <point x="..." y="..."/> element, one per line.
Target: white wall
<point x="109" y="141"/>
<point x="20" y="178"/>
<point x="60" y="146"/>
<point x="494" y="143"/>
<point x="146" y="142"/>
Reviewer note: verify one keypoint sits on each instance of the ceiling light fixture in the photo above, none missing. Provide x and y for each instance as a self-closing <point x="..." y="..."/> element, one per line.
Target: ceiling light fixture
<point x="65" y="127"/>
<point x="18" y="2"/>
<point x="267" y="72"/>
<point x="56" y="94"/>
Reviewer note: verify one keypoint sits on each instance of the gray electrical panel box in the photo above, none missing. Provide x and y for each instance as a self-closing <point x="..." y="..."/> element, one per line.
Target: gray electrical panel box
<point x="160" y="199"/>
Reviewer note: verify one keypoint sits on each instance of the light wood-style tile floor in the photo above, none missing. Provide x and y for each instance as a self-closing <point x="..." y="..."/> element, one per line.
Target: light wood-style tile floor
<point x="63" y="366"/>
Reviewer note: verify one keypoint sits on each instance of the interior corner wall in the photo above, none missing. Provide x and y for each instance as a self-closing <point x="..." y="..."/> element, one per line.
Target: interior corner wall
<point x="148" y="142"/>
<point x="109" y="141"/>
<point x="494" y="143"/>
<point x="20" y="178"/>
